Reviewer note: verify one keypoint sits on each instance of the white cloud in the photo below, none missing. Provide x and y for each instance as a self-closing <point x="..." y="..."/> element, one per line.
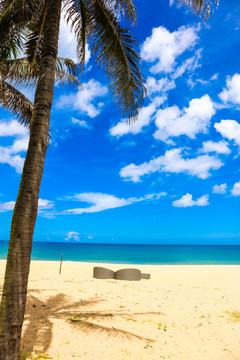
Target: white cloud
<point x="220" y="189"/>
<point x="68" y="44"/>
<point x="190" y="121"/>
<point x="72" y="235"/>
<point x="44" y="204"/>
<point x="83" y="99"/>
<point x="11" y="154"/>
<point x="236" y="189"/>
<point x="214" y="76"/>
<point x="190" y="64"/>
<point x="231" y="94"/>
<point x="81" y="123"/>
<point x="187" y="200"/>
<point x="144" y="118"/>
<point x="220" y="147"/>
<point x="163" y="47"/>
<point x="229" y="129"/>
<point x="105" y="201"/>
<point x="7" y="206"/>
<point x="173" y="162"/>
<point x="160" y="86"/>
<point x="12" y="128"/>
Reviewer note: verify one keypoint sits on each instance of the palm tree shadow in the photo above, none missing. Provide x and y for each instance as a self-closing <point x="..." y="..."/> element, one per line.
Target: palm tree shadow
<point x="38" y="330"/>
<point x="81" y="321"/>
<point x="37" y="335"/>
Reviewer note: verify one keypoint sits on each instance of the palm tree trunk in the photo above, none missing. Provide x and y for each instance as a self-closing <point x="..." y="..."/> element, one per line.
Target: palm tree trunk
<point x="25" y="212"/>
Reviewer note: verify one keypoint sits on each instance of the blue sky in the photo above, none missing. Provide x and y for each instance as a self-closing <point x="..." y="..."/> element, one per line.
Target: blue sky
<point x="172" y="176"/>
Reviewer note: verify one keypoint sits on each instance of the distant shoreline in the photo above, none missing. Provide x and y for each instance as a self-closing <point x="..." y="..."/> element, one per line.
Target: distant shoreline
<point x="134" y="254"/>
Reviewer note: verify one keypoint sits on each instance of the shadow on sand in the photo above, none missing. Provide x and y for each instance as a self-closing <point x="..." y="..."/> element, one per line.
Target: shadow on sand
<point x="39" y="316"/>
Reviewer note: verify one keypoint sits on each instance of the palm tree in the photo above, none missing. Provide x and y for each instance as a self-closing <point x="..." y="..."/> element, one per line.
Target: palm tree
<point x="95" y="21"/>
<point x="16" y="71"/>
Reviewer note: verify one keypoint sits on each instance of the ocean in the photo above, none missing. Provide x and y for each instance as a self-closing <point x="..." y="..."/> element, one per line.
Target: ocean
<point x="133" y="254"/>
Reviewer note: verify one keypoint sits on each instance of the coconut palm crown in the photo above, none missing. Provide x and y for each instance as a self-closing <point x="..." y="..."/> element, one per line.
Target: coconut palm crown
<point x="96" y="22"/>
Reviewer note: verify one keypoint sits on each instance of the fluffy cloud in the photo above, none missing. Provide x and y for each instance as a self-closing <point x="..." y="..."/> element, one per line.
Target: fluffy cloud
<point x="231" y="94"/>
<point x="190" y="64"/>
<point x="190" y="121"/>
<point x="220" y="147"/>
<point x="236" y="189"/>
<point x="7" y="206"/>
<point x="160" y="86"/>
<point x="67" y="42"/>
<point x="187" y="200"/>
<point x="173" y="162"/>
<point x="83" y="99"/>
<point x="105" y="201"/>
<point x="11" y="154"/>
<point x="220" y="189"/>
<point x="44" y="204"/>
<point x="144" y="118"/>
<point x="229" y="129"/>
<point x="72" y="235"/>
<point x="163" y="47"/>
<point x="81" y="123"/>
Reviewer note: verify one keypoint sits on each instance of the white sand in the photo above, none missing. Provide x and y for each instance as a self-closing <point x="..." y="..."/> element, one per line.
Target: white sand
<point x="179" y="314"/>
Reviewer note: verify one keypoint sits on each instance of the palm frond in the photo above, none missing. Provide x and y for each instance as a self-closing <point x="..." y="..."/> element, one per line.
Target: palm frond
<point x="14" y="16"/>
<point x="200" y="7"/>
<point x="13" y="100"/>
<point x="34" y="43"/>
<point x="12" y="48"/>
<point x="22" y="72"/>
<point x="115" y="50"/>
<point x="67" y="71"/>
<point x="19" y="71"/>
<point x="127" y="8"/>
<point x="76" y="14"/>
<point x="64" y="78"/>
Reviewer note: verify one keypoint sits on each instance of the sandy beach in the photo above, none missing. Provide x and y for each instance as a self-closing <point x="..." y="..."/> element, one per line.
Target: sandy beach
<point x="184" y="312"/>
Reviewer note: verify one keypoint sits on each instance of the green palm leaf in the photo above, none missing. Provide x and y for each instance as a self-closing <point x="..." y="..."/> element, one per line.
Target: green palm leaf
<point x="114" y="48"/>
<point x="21" y="72"/>
<point x="77" y="16"/>
<point x="67" y="71"/>
<point x="127" y="8"/>
<point x="13" y="100"/>
<point x="14" y="17"/>
<point x="200" y="7"/>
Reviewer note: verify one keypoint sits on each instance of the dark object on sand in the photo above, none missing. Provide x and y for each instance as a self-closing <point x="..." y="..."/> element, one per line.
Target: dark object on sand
<point x="145" y="276"/>
<point x="123" y="274"/>
<point x="128" y="274"/>
<point x="103" y="273"/>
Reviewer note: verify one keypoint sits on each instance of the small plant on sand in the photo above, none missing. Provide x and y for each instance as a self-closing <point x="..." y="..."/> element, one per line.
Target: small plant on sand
<point x="234" y="316"/>
<point x="34" y="356"/>
<point x="131" y="319"/>
<point x="23" y="356"/>
<point x="163" y="327"/>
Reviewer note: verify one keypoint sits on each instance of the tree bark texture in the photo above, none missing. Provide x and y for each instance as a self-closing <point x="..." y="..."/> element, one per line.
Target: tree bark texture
<point x="25" y="212"/>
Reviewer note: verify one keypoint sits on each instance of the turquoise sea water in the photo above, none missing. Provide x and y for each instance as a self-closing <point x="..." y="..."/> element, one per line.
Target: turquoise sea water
<point x="133" y="254"/>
